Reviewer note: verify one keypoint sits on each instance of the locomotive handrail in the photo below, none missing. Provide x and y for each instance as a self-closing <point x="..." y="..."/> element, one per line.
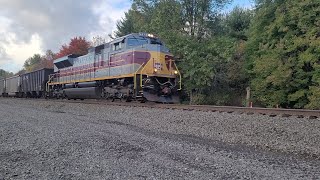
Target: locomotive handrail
<point x="47" y="84"/>
<point x="141" y="76"/>
<point x="135" y="76"/>
<point x="180" y="78"/>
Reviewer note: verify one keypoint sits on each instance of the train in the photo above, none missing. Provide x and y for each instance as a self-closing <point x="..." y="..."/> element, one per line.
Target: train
<point x="137" y="66"/>
<point x="28" y="85"/>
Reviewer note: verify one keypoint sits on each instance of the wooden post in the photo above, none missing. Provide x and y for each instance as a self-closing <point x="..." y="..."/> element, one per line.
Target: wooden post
<point x="248" y="96"/>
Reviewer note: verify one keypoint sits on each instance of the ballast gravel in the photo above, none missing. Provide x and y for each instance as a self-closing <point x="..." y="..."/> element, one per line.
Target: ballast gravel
<point x="300" y="136"/>
<point x="42" y="139"/>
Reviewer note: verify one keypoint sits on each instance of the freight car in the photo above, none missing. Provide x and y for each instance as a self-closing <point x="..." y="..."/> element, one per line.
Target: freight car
<point x="2" y="87"/>
<point x="137" y="66"/>
<point x="33" y="84"/>
<point x="13" y="86"/>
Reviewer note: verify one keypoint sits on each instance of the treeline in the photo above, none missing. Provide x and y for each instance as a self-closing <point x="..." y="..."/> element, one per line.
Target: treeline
<point x="273" y="49"/>
<point x="4" y="74"/>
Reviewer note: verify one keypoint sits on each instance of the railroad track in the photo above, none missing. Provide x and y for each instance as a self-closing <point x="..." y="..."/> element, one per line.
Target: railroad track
<point x="273" y="112"/>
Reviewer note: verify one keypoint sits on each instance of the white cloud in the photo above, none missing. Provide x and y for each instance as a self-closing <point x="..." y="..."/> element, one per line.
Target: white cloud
<point x="31" y="26"/>
<point x="17" y="52"/>
<point x="13" y="52"/>
<point x="109" y="12"/>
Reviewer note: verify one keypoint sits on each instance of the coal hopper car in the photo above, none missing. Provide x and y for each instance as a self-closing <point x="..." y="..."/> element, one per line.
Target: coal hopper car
<point x="33" y="84"/>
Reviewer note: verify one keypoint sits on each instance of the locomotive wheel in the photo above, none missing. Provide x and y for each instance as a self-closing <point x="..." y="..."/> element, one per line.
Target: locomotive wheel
<point x="129" y="99"/>
<point x="143" y="100"/>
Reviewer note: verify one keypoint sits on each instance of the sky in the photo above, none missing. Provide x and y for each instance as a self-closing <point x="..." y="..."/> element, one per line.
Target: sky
<point x="28" y="27"/>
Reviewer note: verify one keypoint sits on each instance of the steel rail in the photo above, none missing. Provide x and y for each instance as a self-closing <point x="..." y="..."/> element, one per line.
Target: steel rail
<point x="311" y="114"/>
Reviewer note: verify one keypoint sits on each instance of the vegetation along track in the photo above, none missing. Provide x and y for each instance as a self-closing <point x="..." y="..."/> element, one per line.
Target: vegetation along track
<point x="300" y="113"/>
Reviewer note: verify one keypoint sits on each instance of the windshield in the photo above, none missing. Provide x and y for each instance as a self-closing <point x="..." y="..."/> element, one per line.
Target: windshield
<point x="141" y="41"/>
<point x="155" y="41"/>
<point x="137" y="41"/>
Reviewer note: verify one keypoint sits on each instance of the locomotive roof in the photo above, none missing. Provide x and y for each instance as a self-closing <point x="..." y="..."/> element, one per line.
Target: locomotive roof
<point x="147" y="35"/>
<point x="119" y="39"/>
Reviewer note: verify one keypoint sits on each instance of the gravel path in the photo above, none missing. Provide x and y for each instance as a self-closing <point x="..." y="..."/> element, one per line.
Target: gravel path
<point x="54" y="140"/>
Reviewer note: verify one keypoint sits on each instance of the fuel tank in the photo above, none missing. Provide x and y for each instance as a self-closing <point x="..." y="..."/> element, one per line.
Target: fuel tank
<point x="83" y="93"/>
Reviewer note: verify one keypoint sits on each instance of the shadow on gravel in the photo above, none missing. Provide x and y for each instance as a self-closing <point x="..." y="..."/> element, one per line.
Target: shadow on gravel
<point x="60" y="112"/>
<point x="236" y="149"/>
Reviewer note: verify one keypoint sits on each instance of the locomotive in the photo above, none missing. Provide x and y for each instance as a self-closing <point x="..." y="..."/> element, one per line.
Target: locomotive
<point x="137" y="66"/>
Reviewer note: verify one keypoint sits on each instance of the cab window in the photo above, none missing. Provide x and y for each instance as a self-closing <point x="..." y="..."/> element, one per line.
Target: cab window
<point x="117" y="46"/>
<point x="137" y="41"/>
<point x="155" y="41"/>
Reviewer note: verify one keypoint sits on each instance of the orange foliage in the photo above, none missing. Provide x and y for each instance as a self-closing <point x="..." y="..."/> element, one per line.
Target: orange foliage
<point x="77" y="45"/>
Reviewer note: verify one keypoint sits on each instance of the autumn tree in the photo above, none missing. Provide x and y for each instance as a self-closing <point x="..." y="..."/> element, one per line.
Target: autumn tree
<point x="77" y="45"/>
<point x="47" y="59"/>
<point x="38" y="61"/>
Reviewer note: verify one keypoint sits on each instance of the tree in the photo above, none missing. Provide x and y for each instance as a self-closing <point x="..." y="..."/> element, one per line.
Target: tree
<point x="126" y="25"/>
<point x="5" y="74"/>
<point x="22" y="71"/>
<point x="283" y="53"/>
<point x="197" y="15"/>
<point x="77" y="45"/>
<point x="47" y="59"/>
<point x="32" y="63"/>
<point x="38" y="61"/>
<point x="238" y="22"/>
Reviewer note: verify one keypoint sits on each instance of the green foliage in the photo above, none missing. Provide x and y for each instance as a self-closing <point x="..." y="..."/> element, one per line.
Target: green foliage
<point x="38" y="61"/>
<point x="204" y="64"/>
<point x="31" y="62"/>
<point x="238" y="22"/>
<point x="283" y="53"/>
<point x="5" y="74"/>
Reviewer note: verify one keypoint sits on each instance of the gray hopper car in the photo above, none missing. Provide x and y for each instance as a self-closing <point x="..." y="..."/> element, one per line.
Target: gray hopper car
<point x="2" y="87"/>
<point x="13" y="86"/>
<point x="33" y="84"/>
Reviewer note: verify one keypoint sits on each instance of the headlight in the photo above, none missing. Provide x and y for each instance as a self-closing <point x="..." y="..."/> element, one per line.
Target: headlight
<point x="155" y="70"/>
<point x="176" y="72"/>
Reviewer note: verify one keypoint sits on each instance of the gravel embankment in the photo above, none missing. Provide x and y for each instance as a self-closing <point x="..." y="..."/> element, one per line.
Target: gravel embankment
<point x="300" y="136"/>
<point x="56" y="140"/>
